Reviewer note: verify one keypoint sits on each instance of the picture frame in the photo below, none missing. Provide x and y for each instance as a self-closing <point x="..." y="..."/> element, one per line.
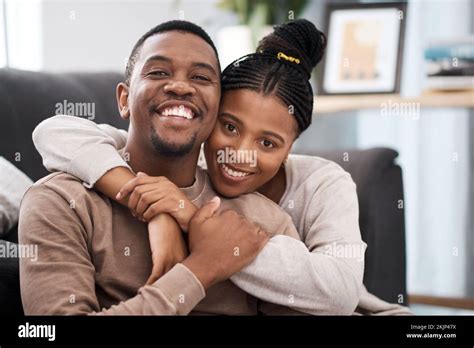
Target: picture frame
<point x="364" y="48"/>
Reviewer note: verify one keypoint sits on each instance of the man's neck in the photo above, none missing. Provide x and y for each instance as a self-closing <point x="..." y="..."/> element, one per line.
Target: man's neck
<point x="179" y="170"/>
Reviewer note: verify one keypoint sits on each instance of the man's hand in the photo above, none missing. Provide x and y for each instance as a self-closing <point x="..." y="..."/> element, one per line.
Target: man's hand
<point x="221" y="244"/>
<point x="153" y="195"/>
<point x="167" y="245"/>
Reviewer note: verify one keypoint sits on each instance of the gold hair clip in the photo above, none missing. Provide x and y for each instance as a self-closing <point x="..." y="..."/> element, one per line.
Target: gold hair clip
<point x="288" y="58"/>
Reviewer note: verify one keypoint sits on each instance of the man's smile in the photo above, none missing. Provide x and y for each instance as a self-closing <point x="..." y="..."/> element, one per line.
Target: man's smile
<point x="180" y="109"/>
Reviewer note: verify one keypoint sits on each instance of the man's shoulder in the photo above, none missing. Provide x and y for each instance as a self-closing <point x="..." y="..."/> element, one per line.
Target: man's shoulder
<point x="63" y="185"/>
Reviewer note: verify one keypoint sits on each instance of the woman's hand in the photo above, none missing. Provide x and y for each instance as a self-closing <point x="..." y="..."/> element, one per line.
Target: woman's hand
<point x="167" y="245"/>
<point x="153" y="195"/>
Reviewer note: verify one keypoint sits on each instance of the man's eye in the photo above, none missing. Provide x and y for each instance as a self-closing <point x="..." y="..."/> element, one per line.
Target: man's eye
<point x="267" y="143"/>
<point x="231" y="128"/>
<point x="202" y="78"/>
<point x="158" y="73"/>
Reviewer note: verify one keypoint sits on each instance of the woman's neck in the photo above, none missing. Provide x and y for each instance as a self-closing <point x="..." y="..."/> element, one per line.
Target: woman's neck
<point x="275" y="188"/>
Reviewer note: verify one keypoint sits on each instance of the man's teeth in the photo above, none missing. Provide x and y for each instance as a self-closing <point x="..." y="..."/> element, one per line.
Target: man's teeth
<point x="234" y="173"/>
<point x="178" y="111"/>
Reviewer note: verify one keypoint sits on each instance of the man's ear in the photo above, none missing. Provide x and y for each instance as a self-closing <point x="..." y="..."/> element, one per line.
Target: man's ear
<point x="122" y="100"/>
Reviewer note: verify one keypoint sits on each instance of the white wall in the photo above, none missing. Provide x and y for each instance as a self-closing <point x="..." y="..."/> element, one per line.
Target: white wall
<point x="436" y="181"/>
<point x="86" y="35"/>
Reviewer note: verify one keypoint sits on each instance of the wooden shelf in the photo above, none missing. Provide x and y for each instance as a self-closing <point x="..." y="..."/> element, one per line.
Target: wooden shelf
<point x="461" y="303"/>
<point x="339" y="103"/>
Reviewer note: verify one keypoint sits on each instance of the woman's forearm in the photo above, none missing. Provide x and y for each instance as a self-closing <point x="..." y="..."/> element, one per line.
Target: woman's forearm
<point x="112" y="181"/>
<point x="286" y="273"/>
<point x="79" y="147"/>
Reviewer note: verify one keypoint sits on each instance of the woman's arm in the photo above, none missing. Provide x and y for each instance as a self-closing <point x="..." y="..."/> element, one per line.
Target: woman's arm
<point x="86" y="150"/>
<point x="83" y="149"/>
<point x="321" y="275"/>
<point x="89" y="151"/>
<point x="167" y="245"/>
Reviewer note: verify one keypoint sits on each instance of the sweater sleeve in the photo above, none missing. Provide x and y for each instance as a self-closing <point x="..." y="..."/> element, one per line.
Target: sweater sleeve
<point x="321" y="275"/>
<point x="63" y="266"/>
<point x="79" y="147"/>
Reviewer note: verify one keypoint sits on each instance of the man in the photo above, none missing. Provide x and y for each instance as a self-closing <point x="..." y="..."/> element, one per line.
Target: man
<point x="92" y="252"/>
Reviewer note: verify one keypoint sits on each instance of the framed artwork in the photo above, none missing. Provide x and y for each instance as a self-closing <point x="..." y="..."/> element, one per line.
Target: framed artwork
<point x="364" y="48"/>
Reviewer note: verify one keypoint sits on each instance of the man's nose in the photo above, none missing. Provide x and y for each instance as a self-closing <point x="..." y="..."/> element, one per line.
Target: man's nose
<point x="179" y="88"/>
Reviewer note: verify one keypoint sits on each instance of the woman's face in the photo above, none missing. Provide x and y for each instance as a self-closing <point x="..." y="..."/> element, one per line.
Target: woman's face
<point x="252" y="138"/>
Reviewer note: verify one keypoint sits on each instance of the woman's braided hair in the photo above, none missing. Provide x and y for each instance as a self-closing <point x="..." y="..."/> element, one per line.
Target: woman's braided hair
<point x="282" y="67"/>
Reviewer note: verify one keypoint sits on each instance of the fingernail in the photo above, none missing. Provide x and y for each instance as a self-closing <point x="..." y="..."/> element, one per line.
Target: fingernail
<point x="118" y="196"/>
<point x="215" y="200"/>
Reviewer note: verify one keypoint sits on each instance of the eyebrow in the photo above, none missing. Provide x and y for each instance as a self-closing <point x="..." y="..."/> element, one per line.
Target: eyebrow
<point x="204" y="66"/>
<point x="158" y="58"/>
<point x="266" y="132"/>
<point x="232" y="117"/>
<point x="161" y="58"/>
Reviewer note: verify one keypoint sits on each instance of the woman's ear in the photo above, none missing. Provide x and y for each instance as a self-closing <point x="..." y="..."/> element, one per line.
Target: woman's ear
<point x="122" y="100"/>
<point x="287" y="154"/>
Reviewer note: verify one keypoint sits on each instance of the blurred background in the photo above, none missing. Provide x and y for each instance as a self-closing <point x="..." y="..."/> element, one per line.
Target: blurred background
<point x="419" y="103"/>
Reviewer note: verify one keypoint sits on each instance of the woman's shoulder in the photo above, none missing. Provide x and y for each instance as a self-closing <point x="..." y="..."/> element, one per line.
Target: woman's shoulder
<point x="304" y="167"/>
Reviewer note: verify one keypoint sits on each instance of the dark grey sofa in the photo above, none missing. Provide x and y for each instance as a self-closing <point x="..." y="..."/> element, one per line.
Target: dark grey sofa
<point x="26" y="98"/>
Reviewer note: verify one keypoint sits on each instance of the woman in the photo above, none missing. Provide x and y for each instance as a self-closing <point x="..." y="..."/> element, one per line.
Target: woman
<point x="266" y="104"/>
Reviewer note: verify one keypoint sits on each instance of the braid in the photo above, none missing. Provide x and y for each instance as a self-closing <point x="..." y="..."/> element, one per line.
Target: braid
<point x="282" y="67"/>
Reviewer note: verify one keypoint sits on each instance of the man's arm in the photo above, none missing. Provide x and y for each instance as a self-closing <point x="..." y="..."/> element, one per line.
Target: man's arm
<point x="61" y="280"/>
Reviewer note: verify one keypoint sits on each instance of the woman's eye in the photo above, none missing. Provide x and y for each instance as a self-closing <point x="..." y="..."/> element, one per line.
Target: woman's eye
<point x="231" y="128"/>
<point x="267" y="143"/>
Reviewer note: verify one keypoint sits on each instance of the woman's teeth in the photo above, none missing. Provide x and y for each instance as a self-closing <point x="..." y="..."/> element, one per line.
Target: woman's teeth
<point x="178" y="111"/>
<point x="233" y="173"/>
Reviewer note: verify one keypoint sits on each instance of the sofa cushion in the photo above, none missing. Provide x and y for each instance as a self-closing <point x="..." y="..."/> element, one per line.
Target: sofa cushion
<point x="27" y="98"/>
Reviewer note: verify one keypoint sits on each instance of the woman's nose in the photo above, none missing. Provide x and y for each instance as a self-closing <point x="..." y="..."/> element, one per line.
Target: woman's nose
<point x="244" y="144"/>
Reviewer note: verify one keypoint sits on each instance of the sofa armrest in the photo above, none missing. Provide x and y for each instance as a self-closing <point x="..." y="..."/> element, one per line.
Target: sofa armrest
<point x="381" y="217"/>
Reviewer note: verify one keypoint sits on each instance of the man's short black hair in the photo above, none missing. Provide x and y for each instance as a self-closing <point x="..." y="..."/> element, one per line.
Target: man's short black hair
<point x="177" y="25"/>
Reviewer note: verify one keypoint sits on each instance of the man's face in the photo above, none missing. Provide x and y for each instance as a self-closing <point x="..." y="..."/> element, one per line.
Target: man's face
<point x="174" y="93"/>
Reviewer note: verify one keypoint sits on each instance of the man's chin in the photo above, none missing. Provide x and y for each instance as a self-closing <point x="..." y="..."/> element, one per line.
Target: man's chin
<point x="172" y="148"/>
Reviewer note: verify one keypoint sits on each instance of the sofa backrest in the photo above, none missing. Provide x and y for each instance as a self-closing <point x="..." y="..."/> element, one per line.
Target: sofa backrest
<point x="27" y="98"/>
<point x="381" y="217"/>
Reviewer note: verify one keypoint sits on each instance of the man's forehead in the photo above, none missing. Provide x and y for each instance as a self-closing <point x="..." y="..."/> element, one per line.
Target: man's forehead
<point x="178" y="44"/>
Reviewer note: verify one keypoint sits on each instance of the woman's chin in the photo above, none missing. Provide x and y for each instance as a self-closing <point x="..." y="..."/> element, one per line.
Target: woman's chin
<point x="230" y="193"/>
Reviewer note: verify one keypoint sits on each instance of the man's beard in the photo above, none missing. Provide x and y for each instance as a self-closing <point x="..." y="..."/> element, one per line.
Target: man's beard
<point x="170" y="150"/>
